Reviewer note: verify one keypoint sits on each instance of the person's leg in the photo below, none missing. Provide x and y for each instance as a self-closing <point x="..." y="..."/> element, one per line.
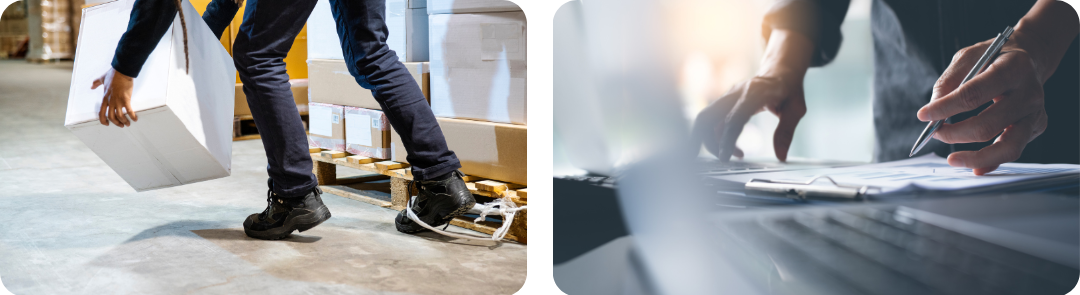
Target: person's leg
<point x="361" y="26"/>
<point x="265" y="37"/>
<point x="442" y="193"/>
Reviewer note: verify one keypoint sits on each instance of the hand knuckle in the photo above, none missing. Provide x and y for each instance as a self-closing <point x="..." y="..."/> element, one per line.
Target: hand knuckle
<point x="969" y="97"/>
<point x="960" y="53"/>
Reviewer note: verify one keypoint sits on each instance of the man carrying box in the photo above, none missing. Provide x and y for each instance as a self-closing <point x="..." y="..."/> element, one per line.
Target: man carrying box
<point x="265" y="36"/>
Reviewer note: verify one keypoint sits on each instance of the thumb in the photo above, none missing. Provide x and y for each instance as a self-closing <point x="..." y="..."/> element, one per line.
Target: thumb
<point x="98" y="82"/>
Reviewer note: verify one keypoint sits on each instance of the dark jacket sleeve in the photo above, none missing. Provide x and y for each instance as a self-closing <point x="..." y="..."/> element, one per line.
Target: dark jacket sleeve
<point x="818" y="20"/>
<point x="150" y="19"/>
<point x="219" y="14"/>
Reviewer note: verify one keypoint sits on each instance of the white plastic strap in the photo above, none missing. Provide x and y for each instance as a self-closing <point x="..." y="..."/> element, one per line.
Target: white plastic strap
<point x="503" y="206"/>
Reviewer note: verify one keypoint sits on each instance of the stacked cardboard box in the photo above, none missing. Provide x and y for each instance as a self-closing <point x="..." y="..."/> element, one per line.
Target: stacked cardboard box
<point x="406" y="22"/>
<point x="295" y="61"/>
<point x="476" y="90"/>
<point x="478" y="61"/>
<point x="478" y="64"/>
<point x="75" y="15"/>
<point x="299" y="91"/>
<point x="326" y="126"/>
<point x="331" y="86"/>
<point x="485" y="149"/>
<point x="367" y="133"/>
<point x="330" y="82"/>
<point x="366" y="130"/>
<point x="49" y="27"/>
<point x="13" y="28"/>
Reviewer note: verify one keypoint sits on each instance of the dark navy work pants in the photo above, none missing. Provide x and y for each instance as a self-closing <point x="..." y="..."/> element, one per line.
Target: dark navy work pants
<point x="266" y="36"/>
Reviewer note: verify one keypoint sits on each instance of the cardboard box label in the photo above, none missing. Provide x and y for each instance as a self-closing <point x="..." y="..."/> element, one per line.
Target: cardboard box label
<point x="319" y="119"/>
<point x="355" y="127"/>
<point x="376" y="123"/>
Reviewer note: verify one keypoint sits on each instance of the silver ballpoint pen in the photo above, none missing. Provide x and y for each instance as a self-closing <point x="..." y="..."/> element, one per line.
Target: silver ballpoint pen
<point x="992" y="51"/>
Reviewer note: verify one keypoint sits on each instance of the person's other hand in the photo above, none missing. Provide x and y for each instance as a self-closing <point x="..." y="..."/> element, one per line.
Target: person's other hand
<point x="1012" y="82"/>
<point x="778" y="88"/>
<point x="117" y="99"/>
<point x="720" y="124"/>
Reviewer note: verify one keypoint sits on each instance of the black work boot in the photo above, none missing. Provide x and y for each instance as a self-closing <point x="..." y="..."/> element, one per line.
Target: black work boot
<point x="439" y="201"/>
<point x="284" y="215"/>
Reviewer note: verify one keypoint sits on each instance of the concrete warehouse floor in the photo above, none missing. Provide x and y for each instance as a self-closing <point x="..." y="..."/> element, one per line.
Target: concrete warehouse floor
<point x="70" y="225"/>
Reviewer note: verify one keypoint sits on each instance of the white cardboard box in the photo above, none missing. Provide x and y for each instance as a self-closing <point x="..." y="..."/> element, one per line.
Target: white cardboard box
<point x="184" y="132"/>
<point x="470" y="6"/>
<point x="329" y="82"/>
<point x="485" y="149"/>
<point x="478" y="66"/>
<point x="367" y="133"/>
<point x="407" y="28"/>
<point x="326" y="126"/>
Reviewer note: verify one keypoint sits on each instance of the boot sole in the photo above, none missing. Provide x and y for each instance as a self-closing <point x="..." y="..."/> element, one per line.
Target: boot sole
<point x="301" y="222"/>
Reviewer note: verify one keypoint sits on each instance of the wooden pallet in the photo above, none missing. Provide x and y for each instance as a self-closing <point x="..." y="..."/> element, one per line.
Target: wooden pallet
<point x="325" y="169"/>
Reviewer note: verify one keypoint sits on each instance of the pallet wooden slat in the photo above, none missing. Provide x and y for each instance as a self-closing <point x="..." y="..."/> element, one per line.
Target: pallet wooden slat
<point x="386" y="166"/>
<point x="400" y="175"/>
<point x="361" y="160"/>
<point x="496" y="186"/>
<point x="332" y="154"/>
<point x="470" y="178"/>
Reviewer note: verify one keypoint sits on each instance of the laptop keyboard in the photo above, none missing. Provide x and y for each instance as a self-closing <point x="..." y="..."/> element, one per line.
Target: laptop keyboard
<point x="594" y="180"/>
<point x="875" y="251"/>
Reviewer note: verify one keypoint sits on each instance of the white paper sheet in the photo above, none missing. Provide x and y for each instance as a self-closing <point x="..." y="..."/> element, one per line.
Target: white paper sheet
<point x="927" y="172"/>
<point x="358" y="129"/>
<point x="319" y="118"/>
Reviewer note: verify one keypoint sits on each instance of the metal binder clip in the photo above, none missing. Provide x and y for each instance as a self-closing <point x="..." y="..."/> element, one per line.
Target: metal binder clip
<point x="807" y="190"/>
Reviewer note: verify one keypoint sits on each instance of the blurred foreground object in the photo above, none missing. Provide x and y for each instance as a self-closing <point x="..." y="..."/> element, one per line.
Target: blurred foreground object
<point x="185" y="118"/>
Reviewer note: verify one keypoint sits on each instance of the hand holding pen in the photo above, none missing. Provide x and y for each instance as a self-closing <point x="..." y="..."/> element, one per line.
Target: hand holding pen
<point x="1013" y="80"/>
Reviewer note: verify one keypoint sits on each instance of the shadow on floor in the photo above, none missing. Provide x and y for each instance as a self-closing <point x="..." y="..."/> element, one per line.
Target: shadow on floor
<point x="237" y="234"/>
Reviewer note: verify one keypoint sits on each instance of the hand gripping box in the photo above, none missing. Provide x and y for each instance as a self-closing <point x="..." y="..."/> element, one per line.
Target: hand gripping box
<point x="185" y="118"/>
<point x="367" y="133"/>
